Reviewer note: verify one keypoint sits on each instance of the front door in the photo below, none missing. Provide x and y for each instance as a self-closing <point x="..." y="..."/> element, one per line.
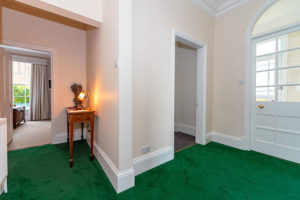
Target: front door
<point x="6" y="91"/>
<point x="276" y="100"/>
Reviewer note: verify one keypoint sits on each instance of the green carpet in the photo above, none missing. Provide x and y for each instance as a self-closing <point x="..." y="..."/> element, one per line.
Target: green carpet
<point x="211" y="172"/>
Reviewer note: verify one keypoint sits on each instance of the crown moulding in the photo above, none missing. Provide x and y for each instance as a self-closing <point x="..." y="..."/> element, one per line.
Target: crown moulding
<point x="217" y="8"/>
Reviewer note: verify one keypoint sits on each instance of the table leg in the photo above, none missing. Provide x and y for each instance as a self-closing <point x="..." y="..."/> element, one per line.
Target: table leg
<point x="68" y="132"/>
<point x="82" y="131"/>
<point x="71" y="144"/>
<point x="92" y="139"/>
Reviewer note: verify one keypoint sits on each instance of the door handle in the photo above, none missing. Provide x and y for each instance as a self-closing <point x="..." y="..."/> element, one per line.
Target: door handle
<point x="261" y="106"/>
<point x="11" y="105"/>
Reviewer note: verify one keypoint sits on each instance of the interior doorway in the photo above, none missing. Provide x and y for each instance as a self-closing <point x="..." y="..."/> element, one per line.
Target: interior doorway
<point x="188" y="91"/>
<point x="185" y="95"/>
<point x="27" y="86"/>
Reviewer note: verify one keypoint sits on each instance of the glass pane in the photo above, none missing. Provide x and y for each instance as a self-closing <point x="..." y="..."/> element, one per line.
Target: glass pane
<point x="289" y="93"/>
<point x="266" y="47"/>
<point x="19" y="90"/>
<point x="19" y="101"/>
<point x="21" y="73"/>
<point x="265" y="94"/>
<point x="265" y="63"/>
<point x="27" y="90"/>
<point x="289" y="58"/>
<point x="289" y="76"/>
<point x="27" y="101"/>
<point x="265" y="78"/>
<point x="289" y="41"/>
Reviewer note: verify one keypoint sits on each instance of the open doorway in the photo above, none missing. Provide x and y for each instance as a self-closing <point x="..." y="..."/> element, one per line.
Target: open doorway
<point x="189" y="91"/>
<point x="185" y="95"/>
<point x="28" y="89"/>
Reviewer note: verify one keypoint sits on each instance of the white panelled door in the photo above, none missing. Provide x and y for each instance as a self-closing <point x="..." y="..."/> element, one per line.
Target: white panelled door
<point x="275" y="119"/>
<point x="6" y="92"/>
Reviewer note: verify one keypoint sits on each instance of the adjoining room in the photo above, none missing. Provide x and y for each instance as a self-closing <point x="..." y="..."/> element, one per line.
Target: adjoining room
<point x="185" y="95"/>
<point x="29" y="89"/>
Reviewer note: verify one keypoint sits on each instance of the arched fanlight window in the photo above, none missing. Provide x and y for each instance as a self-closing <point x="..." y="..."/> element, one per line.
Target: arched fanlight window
<point x="282" y="14"/>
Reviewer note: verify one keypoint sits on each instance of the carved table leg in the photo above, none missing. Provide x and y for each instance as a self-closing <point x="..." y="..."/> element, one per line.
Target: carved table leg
<point x="71" y="144"/>
<point x="81" y="130"/>
<point x="68" y="132"/>
<point x="92" y="139"/>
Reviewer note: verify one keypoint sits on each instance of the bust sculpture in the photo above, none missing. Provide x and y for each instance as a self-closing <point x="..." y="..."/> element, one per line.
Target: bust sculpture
<point x="77" y="89"/>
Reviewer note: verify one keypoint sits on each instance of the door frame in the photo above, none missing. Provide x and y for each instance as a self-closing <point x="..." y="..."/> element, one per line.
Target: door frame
<point x="53" y="70"/>
<point x="248" y="71"/>
<point x="275" y="33"/>
<point x="201" y="84"/>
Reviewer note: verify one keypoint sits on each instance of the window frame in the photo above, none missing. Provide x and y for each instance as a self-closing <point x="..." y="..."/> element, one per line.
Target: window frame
<point x="276" y="69"/>
<point x="29" y="85"/>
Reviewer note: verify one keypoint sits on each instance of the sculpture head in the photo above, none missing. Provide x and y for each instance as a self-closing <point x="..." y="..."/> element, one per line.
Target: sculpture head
<point x="77" y="89"/>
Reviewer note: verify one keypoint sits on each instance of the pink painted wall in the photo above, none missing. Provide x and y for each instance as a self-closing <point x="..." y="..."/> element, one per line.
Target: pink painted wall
<point x="69" y="45"/>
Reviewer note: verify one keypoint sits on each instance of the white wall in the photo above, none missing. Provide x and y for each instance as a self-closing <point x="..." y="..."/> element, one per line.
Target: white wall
<point x="88" y="12"/>
<point x="110" y="85"/>
<point x="109" y="80"/>
<point x="69" y="45"/>
<point x="229" y="68"/>
<point x="88" y="8"/>
<point x="153" y="22"/>
<point x="102" y="80"/>
<point x="185" y="87"/>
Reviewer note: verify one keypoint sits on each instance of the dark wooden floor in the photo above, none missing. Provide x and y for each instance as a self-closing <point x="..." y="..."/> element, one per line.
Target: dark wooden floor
<point x="183" y="140"/>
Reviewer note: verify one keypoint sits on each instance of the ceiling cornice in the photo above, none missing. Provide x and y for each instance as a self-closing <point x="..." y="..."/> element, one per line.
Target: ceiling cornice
<point x="218" y="10"/>
<point x="205" y="7"/>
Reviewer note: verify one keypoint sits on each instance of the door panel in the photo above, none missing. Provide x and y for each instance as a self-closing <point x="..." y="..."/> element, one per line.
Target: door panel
<point x="265" y="121"/>
<point x="276" y="103"/>
<point x="290" y="124"/>
<point x="288" y="139"/>
<point x="6" y="87"/>
<point x="266" y="135"/>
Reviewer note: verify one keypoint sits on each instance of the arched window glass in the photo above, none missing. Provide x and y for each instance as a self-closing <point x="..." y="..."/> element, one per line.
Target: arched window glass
<point x="282" y="14"/>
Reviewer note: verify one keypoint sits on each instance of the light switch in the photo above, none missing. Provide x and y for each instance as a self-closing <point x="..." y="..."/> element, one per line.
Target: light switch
<point x="146" y="149"/>
<point x="241" y="82"/>
<point x="116" y="63"/>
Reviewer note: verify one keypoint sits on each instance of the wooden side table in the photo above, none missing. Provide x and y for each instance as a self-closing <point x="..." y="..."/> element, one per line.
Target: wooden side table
<point x="18" y="116"/>
<point x="80" y="116"/>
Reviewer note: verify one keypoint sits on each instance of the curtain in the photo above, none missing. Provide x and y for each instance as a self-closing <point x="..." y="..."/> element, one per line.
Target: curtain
<point x="39" y="105"/>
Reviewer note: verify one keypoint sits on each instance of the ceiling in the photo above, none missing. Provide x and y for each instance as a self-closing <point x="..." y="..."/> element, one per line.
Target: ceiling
<point x="216" y="8"/>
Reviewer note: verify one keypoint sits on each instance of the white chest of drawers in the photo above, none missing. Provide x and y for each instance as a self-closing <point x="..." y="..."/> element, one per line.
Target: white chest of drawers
<point x="3" y="156"/>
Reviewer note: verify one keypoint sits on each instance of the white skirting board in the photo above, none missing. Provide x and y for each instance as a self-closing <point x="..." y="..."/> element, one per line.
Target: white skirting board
<point x="232" y="141"/>
<point x="121" y="180"/>
<point x="161" y="156"/>
<point x="153" y="159"/>
<point x="190" y="130"/>
<point x="3" y="185"/>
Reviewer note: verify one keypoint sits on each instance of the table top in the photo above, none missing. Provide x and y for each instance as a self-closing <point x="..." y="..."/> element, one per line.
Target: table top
<point x="71" y="110"/>
<point x="3" y="121"/>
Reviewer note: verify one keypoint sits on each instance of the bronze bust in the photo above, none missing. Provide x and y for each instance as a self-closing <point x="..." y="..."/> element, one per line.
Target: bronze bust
<point x="77" y="89"/>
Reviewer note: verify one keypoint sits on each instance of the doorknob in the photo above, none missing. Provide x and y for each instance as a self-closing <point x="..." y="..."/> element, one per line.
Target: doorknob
<point x="261" y="106"/>
<point x="11" y="105"/>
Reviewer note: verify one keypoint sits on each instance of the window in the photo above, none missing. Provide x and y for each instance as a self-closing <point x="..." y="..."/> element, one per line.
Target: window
<point x="278" y="68"/>
<point x="21" y="83"/>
